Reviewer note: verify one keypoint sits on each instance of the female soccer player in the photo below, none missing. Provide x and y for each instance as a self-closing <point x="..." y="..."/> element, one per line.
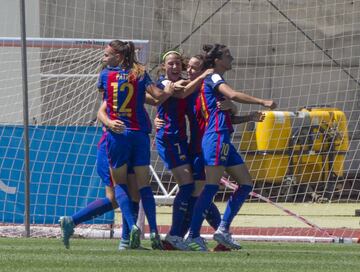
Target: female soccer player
<point x="125" y="83"/>
<point x="195" y="70"/>
<point x="104" y="205"/>
<point x="219" y="153"/>
<point x="193" y="112"/>
<point x="171" y="142"/>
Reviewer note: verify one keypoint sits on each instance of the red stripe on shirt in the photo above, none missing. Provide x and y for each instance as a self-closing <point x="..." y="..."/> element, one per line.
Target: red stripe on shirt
<point x="112" y="96"/>
<point x="204" y="107"/>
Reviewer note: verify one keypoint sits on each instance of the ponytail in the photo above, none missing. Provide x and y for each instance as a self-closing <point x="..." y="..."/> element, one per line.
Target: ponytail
<point x="127" y="50"/>
<point x="212" y="52"/>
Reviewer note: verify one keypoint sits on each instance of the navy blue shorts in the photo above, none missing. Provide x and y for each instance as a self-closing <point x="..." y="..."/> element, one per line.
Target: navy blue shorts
<point x="103" y="166"/>
<point x="173" y="152"/>
<point x="130" y="147"/>
<point x="218" y="150"/>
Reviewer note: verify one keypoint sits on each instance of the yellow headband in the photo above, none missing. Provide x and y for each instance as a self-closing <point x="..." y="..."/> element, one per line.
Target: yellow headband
<point x="170" y="52"/>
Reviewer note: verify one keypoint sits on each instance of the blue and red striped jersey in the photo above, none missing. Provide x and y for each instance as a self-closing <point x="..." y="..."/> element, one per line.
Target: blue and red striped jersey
<point x="172" y="111"/>
<point x="125" y="97"/>
<point x="196" y="121"/>
<point x="216" y="120"/>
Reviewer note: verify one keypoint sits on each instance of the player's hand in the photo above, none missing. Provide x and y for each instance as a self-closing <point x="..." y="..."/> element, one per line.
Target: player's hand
<point x="169" y="88"/>
<point x="224" y="105"/>
<point x="257" y="116"/>
<point x="179" y="85"/>
<point x="116" y="126"/>
<point x="159" y="123"/>
<point x="269" y="104"/>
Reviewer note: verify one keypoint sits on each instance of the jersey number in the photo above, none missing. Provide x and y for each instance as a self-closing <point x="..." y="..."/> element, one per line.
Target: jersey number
<point x="224" y="151"/>
<point x="181" y="156"/>
<point x="124" y="110"/>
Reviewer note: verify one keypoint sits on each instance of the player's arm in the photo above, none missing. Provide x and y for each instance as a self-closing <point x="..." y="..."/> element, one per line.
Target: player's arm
<point x="151" y="100"/>
<point x="256" y="116"/>
<point x="116" y="126"/>
<point x="184" y="91"/>
<point x="240" y="97"/>
<point x="160" y="95"/>
<point x="227" y="104"/>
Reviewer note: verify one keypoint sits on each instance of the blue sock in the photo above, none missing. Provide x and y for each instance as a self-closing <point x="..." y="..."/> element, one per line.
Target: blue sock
<point x="233" y="206"/>
<point x="180" y="207"/>
<point x="148" y="202"/>
<point x="213" y="216"/>
<point x="125" y="235"/>
<point x="200" y="209"/>
<point x="124" y="202"/>
<point x="135" y="210"/>
<point x="94" y="209"/>
<point x="189" y="213"/>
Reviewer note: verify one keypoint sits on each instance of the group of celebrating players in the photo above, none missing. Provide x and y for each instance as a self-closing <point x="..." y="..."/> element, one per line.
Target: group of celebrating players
<point x="203" y="100"/>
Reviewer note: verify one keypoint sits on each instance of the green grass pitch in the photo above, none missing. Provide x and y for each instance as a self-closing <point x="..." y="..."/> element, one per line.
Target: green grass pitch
<point x="39" y="254"/>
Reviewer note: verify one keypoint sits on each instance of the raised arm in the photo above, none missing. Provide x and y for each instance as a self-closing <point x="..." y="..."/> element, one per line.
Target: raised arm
<point x="191" y="86"/>
<point x="151" y="100"/>
<point x="240" y="97"/>
<point x="160" y="95"/>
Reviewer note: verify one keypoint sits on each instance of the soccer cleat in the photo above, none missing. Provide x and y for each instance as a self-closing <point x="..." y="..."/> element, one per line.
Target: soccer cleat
<point x="177" y="242"/>
<point x="135" y="234"/>
<point x="143" y="248"/>
<point x="124" y="244"/>
<point x="196" y="244"/>
<point x="224" y="238"/>
<point x="156" y="241"/>
<point x="220" y="247"/>
<point x="67" y="229"/>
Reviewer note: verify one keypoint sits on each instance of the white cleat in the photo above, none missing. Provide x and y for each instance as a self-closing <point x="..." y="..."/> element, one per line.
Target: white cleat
<point x="224" y="238"/>
<point x="177" y="242"/>
<point x="67" y="229"/>
<point x="124" y="245"/>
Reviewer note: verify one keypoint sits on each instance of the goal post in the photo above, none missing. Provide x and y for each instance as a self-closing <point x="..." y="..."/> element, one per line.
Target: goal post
<point x="63" y="135"/>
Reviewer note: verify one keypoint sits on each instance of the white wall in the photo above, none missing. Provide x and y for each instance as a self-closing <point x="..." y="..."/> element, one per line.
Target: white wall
<point x="10" y="62"/>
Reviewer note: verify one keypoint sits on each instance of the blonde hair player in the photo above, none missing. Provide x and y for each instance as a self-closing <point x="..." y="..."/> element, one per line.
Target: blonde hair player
<point x="125" y="83"/>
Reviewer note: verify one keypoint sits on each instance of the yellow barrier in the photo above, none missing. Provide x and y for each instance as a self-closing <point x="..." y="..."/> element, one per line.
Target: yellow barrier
<point x="266" y="147"/>
<point x="332" y="139"/>
<point x="309" y="152"/>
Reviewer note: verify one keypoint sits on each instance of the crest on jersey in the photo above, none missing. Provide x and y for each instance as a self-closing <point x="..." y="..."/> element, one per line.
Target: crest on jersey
<point x="215" y="78"/>
<point x="165" y="82"/>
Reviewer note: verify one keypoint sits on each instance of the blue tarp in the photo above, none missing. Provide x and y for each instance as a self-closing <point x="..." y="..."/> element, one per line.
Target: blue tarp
<point x="63" y="173"/>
